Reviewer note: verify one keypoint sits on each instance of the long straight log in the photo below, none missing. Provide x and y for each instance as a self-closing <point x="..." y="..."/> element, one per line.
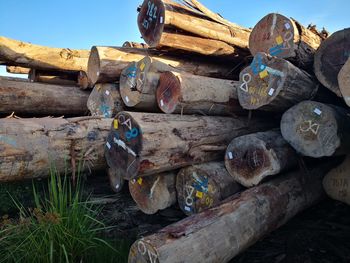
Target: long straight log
<point x="202" y="186"/>
<point x="344" y="81"/>
<point x="316" y="130"/>
<point x="106" y="63"/>
<point x="23" y="97"/>
<point x="221" y="233"/>
<point x="17" y="70"/>
<point x="274" y="84"/>
<point x="142" y="144"/>
<point x="30" y="147"/>
<point x="330" y="58"/>
<point x="285" y="38"/>
<point x="154" y="193"/>
<point x="18" y="53"/>
<point x="157" y="17"/>
<point x="54" y="77"/>
<point x="105" y="100"/>
<point x="252" y="158"/>
<point x="190" y="94"/>
<point x="134" y="44"/>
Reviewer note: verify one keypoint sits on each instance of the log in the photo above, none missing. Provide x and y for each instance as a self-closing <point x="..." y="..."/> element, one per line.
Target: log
<point x="105" y="100"/>
<point x="315" y="129"/>
<point x="116" y="182"/>
<point x="18" y="53"/>
<point x="142" y="144"/>
<point x="337" y="182"/>
<point x="154" y="193"/>
<point x="221" y="233"/>
<point x="158" y="19"/>
<point x="106" y="63"/>
<point x="202" y="186"/>
<point x="54" y="77"/>
<point x="17" y="70"/>
<point x="274" y="84"/>
<point x="134" y="44"/>
<point x="252" y="158"/>
<point x="344" y="81"/>
<point x="23" y="97"/>
<point x="191" y="94"/>
<point x="330" y="58"/>
<point x="31" y="147"/>
<point x="83" y="80"/>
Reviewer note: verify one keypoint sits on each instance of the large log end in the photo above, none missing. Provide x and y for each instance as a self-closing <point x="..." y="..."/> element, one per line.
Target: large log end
<point x="168" y="92"/>
<point x="344" y="81"/>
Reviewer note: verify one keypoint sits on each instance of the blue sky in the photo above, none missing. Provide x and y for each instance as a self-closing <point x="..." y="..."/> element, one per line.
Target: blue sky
<point x="84" y="23"/>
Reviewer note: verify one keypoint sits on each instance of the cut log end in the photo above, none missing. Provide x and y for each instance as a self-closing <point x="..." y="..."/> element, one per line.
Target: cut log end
<point x="311" y="128"/>
<point x="344" y="81"/>
<point x="274" y="34"/>
<point x="93" y="71"/>
<point x="116" y="181"/>
<point x="151" y="20"/>
<point x="168" y="92"/>
<point x="142" y="252"/>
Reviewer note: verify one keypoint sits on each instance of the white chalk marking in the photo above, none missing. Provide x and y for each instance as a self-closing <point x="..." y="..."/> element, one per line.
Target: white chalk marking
<point x="317" y="111"/>
<point x="274" y="20"/>
<point x="275" y="72"/>
<point x="123" y="145"/>
<point x="127" y="99"/>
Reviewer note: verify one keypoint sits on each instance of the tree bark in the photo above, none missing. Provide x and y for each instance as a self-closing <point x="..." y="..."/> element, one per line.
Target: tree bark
<point x="54" y="77"/>
<point x="18" y="53"/>
<point x="330" y="58"/>
<point x="154" y="193"/>
<point x="285" y="38"/>
<point x="200" y="187"/>
<point x="252" y="158"/>
<point x="221" y="233"/>
<point x="142" y="144"/>
<point x="190" y="94"/>
<point x="23" y="97"/>
<point x="17" y="70"/>
<point x="344" y="81"/>
<point x="30" y="147"/>
<point x="337" y="182"/>
<point x="135" y="44"/>
<point x="105" y="100"/>
<point x="274" y="84"/>
<point x="157" y="17"/>
<point x="106" y="63"/>
<point x="316" y="130"/>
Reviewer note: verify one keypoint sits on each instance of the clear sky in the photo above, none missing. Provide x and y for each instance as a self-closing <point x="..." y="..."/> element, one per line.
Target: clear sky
<point x="84" y="23"/>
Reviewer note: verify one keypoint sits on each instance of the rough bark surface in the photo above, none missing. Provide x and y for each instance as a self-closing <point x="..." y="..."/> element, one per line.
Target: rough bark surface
<point x="344" y="81"/>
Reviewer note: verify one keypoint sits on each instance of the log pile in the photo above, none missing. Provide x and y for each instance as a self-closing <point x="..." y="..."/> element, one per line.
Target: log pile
<point x="185" y="121"/>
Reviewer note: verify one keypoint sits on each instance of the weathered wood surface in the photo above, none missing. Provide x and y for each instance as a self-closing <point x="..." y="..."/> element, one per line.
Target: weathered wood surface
<point x="134" y="44"/>
<point x="116" y="181"/>
<point x="154" y="193"/>
<point x="83" y="80"/>
<point x="315" y="129"/>
<point x="23" y="97"/>
<point x="252" y="158"/>
<point x="274" y="84"/>
<point x="18" y="53"/>
<point x="337" y="182"/>
<point x="330" y="58"/>
<point x="142" y="144"/>
<point x="190" y="94"/>
<point x="30" y="147"/>
<point x="202" y="186"/>
<point x="344" y="81"/>
<point x="17" y="70"/>
<point x="105" y="100"/>
<point x="286" y="38"/>
<point x="106" y="63"/>
<point x="221" y="233"/>
<point x="68" y="78"/>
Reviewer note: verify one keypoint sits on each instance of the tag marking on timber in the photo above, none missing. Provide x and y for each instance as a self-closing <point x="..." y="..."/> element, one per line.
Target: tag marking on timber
<point x="271" y="91"/>
<point x="108" y="145"/>
<point x="107" y="92"/>
<point x="317" y="111"/>
<point x="244" y="85"/>
<point x="230" y="155"/>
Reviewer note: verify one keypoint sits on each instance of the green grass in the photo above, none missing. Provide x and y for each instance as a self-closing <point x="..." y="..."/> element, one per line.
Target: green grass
<point x="61" y="228"/>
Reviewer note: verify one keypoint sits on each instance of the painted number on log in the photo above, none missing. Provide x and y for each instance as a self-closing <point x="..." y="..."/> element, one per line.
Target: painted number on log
<point x="313" y="127"/>
<point x="151" y="14"/>
<point x="189" y="192"/>
<point x="246" y="79"/>
<point x="142" y="248"/>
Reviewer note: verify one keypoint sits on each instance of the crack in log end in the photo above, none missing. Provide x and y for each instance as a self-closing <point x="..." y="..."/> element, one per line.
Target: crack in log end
<point x="146" y="165"/>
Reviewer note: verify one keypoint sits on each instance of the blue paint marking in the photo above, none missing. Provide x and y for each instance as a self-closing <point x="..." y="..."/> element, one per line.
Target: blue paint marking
<point x="257" y="66"/>
<point x="105" y="111"/>
<point x="131" y="72"/>
<point x="8" y="140"/>
<point x="201" y="183"/>
<point x="276" y="50"/>
<point x="132" y="134"/>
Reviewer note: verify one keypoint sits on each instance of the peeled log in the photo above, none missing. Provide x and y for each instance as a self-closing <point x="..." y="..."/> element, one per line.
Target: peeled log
<point x="190" y="94"/>
<point x="221" y="233"/>
<point x="68" y="78"/>
<point x="29" y="148"/>
<point x="17" y="70"/>
<point x="344" y="81"/>
<point x="316" y="130"/>
<point x="252" y="158"/>
<point x="330" y="58"/>
<point x="135" y="44"/>
<point x="274" y="84"/>
<point x="202" y="186"/>
<point x="142" y="144"/>
<point x="106" y="63"/>
<point x="105" y="100"/>
<point x="285" y="38"/>
<point x="18" y="53"/>
<point x="337" y="182"/>
<point x="23" y="97"/>
<point x="154" y="193"/>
